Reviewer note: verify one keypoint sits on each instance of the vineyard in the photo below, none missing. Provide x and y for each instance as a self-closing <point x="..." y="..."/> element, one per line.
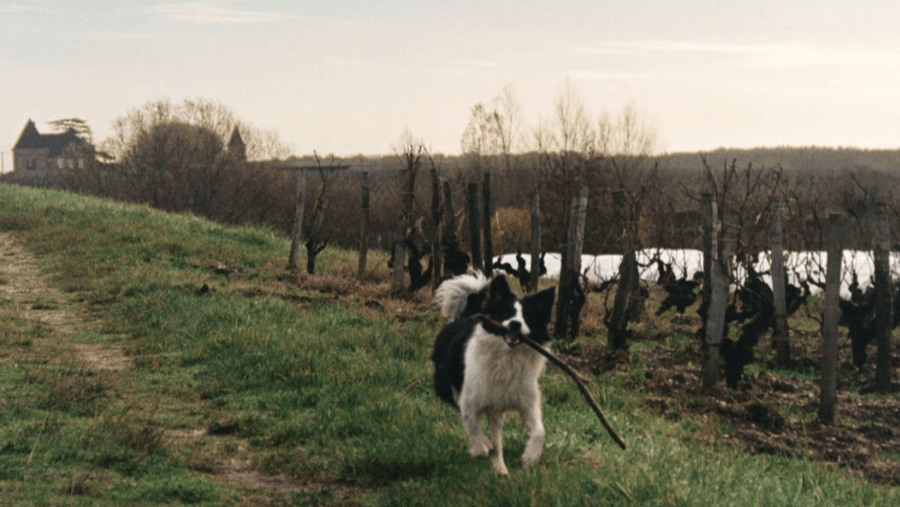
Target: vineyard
<point x="439" y="215"/>
<point x="193" y="366"/>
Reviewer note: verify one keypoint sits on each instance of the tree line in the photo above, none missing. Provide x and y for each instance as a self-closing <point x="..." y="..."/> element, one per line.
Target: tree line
<point x="175" y="156"/>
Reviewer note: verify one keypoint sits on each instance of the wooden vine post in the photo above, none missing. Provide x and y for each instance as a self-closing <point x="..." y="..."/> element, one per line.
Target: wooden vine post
<point x="884" y="318"/>
<point x="449" y="240"/>
<point x="475" y="229"/>
<point x="437" y="227"/>
<point x="535" y="242"/>
<point x="488" y="208"/>
<point x="709" y="214"/>
<point x="776" y="240"/>
<point x="715" y="318"/>
<point x="834" y="230"/>
<point x="364" y="227"/>
<point x="297" y="230"/>
<point x="300" y="206"/>
<point x="570" y="301"/>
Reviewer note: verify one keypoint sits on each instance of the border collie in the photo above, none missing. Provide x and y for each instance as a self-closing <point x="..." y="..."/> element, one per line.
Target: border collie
<point x="481" y="367"/>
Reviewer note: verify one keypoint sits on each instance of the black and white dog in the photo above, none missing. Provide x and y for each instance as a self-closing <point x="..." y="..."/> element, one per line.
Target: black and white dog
<point x="479" y="365"/>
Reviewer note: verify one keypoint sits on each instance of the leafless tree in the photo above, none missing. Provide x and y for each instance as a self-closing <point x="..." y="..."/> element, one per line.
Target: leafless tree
<point x="493" y="130"/>
<point x="410" y="152"/>
<point x="174" y="156"/>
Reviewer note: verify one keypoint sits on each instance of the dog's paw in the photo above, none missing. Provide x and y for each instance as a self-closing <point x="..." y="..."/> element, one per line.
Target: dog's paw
<point x="480" y="449"/>
<point x="478" y="453"/>
<point x="529" y="459"/>
<point x="497" y="462"/>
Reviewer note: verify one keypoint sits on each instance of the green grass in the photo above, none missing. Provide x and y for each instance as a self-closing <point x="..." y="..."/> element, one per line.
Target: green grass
<point x="312" y="388"/>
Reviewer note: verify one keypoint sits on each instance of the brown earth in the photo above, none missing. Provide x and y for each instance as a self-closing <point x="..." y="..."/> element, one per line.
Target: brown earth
<point x="772" y="411"/>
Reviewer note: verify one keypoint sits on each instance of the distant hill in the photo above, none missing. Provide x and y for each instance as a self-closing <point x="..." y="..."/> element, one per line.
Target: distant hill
<point x="789" y="158"/>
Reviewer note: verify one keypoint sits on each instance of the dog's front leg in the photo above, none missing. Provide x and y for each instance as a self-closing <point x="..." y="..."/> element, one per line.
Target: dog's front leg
<point x="478" y="445"/>
<point x="496" y="419"/>
<point x="535" y="425"/>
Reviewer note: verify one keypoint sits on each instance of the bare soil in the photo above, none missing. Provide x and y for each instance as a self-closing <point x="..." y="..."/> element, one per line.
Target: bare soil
<point x="772" y="411"/>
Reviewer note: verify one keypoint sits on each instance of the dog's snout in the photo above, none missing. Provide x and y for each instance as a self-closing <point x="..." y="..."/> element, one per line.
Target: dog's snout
<point x="515" y="326"/>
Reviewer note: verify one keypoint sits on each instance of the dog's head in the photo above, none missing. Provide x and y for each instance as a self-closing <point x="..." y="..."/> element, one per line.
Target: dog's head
<point x="512" y="317"/>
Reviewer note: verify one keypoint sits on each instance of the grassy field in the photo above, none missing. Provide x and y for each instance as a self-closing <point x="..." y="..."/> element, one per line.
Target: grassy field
<point x="123" y="381"/>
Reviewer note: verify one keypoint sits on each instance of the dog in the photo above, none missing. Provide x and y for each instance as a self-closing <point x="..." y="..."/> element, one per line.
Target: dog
<point x="482" y="368"/>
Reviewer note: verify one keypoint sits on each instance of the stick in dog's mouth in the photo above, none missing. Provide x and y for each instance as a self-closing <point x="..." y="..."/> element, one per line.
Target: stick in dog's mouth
<point x="513" y="338"/>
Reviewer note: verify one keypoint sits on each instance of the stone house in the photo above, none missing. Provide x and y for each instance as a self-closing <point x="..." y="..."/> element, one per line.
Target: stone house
<point x="36" y="156"/>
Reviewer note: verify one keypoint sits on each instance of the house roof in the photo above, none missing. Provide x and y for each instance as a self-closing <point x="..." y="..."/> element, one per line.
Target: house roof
<point x="29" y="138"/>
<point x="55" y="143"/>
<point x="236" y="139"/>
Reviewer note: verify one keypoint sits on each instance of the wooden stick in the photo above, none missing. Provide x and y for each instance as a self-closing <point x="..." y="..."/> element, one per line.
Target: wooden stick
<point x="495" y="327"/>
<point x="578" y="381"/>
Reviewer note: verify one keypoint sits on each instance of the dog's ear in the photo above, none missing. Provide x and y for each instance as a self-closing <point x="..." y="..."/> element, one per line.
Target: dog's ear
<point x="541" y="304"/>
<point x="497" y="290"/>
<point x="474" y="304"/>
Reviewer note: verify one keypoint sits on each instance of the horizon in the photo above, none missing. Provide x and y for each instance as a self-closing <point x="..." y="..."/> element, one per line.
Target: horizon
<point x="350" y="77"/>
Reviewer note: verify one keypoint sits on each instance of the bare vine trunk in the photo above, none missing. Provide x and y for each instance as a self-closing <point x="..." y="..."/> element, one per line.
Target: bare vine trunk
<point x="629" y="280"/>
<point x="403" y="226"/>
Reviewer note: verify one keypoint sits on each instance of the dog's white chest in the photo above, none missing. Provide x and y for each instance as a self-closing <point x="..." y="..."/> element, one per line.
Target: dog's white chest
<point x="498" y="376"/>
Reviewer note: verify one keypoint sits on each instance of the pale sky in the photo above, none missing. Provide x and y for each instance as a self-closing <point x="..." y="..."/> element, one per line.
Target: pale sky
<point x="351" y="76"/>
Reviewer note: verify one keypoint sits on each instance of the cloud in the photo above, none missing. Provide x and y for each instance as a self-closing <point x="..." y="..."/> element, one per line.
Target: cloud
<point x="202" y="13"/>
<point x="121" y="36"/>
<point x="777" y="54"/>
<point x="20" y="9"/>
<point x="603" y="75"/>
<point x="679" y="46"/>
<point x="480" y="64"/>
<point x="805" y="55"/>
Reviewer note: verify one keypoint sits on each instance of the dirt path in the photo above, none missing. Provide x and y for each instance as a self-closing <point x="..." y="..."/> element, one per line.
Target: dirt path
<point x="30" y="297"/>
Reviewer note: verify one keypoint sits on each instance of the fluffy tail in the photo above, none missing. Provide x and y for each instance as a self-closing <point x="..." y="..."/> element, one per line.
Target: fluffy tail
<point x="452" y="296"/>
